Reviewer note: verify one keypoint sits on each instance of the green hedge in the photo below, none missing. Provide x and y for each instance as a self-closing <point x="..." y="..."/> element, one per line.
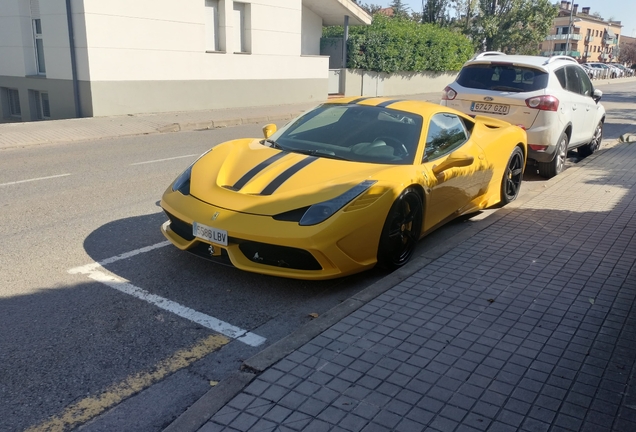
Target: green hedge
<point x="395" y="45"/>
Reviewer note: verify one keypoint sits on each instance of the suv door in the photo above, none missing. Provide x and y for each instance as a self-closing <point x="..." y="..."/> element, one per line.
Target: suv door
<point x="591" y="107"/>
<point x="575" y="108"/>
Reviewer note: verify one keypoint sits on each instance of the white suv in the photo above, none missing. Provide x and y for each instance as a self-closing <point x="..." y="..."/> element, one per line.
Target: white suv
<point x="552" y="98"/>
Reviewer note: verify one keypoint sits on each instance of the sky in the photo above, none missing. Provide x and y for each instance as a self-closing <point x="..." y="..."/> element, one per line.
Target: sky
<point x="617" y="10"/>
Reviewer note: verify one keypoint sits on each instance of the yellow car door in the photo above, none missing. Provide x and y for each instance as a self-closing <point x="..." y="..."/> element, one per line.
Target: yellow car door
<point x="453" y="168"/>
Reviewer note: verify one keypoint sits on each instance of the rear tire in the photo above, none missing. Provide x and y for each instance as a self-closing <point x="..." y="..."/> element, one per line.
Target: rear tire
<point x="595" y="144"/>
<point x="511" y="181"/>
<point x="401" y="230"/>
<point x="556" y="165"/>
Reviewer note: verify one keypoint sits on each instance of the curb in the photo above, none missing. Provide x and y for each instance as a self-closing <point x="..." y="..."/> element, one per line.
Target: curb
<point x="212" y="401"/>
<point x="627" y="138"/>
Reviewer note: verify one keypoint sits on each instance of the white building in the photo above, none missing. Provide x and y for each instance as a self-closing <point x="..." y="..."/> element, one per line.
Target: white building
<point x="138" y="56"/>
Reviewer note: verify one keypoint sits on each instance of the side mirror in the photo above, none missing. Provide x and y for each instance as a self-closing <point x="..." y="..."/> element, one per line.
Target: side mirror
<point x="597" y="95"/>
<point x="454" y="160"/>
<point x="269" y="130"/>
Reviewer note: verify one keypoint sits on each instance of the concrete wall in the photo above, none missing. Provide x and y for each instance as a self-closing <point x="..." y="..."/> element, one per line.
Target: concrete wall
<point x="116" y="97"/>
<point x="311" y="32"/>
<point x="365" y="83"/>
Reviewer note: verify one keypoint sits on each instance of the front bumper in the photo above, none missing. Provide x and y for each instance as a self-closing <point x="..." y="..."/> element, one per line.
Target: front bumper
<point x="344" y="244"/>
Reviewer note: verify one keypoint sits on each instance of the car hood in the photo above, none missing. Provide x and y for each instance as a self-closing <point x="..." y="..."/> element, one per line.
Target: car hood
<point x="248" y="177"/>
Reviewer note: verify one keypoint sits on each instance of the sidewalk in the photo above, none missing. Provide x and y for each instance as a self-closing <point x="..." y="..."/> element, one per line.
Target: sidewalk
<point x="528" y="324"/>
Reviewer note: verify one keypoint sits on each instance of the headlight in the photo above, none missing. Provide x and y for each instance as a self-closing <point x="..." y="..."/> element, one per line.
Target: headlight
<point x="322" y="211"/>
<point x="182" y="183"/>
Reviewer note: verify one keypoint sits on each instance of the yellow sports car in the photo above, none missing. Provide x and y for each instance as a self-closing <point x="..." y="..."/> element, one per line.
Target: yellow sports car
<point x="353" y="183"/>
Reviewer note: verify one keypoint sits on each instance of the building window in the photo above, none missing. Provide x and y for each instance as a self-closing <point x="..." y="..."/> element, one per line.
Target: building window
<point x="39" y="46"/>
<point x="13" y="102"/>
<point x="242" y="28"/>
<point x="39" y="101"/>
<point x="213" y="19"/>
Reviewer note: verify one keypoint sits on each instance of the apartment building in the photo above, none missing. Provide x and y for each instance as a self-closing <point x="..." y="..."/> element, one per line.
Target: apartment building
<point x="83" y="58"/>
<point x="580" y="34"/>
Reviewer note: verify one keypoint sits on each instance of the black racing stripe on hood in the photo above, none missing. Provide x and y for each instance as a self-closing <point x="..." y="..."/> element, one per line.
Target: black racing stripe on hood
<point x="389" y="102"/>
<point x="258" y="168"/>
<point x="283" y="177"/>
<point x="355" y="101"/>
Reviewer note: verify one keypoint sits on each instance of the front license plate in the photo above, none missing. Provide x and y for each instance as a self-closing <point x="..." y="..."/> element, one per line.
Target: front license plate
<point x="490" y="108"/>
<point x="209" y="234"/>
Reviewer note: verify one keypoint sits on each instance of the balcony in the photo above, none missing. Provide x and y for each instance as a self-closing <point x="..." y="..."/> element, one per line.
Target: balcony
<point x="589" y="38"/>
<point x="573" y="37"/>
<point x="575" y="54"/>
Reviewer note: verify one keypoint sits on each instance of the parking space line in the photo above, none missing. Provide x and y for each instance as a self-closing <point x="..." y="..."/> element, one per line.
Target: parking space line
<point x="163" y="160"/>
<point x="90" y="407"/>
<point x="34" y="179"/>
<point x="94" y="271"/>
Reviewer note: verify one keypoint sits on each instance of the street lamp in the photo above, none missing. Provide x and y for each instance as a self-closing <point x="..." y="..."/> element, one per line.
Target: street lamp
<point x="567" y="40"/>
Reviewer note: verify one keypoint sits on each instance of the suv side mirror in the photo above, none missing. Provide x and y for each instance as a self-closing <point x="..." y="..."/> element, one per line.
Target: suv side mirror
<point x="597" y="95"/>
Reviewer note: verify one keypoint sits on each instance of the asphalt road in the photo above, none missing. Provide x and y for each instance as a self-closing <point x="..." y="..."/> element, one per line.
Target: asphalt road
<point x="86" y="346"/>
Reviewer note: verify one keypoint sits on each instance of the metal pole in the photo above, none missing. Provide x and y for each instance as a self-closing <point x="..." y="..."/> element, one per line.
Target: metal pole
<point x="71" y="40"/>
<point x="567" y="40"/>
<point x="344" y="42"/>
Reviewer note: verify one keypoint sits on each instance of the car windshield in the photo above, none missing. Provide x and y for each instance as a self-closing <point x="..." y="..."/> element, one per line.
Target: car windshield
<point x="502" y="77"/>
<point x="353" y="132"/>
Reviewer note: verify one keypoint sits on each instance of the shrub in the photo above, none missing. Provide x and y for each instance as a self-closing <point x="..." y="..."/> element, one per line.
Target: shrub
<point x="395" y="45"/>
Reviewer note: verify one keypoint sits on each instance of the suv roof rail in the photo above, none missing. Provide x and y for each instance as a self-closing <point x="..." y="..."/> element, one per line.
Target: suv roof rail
<point x="560" y="57"/>
<point x="488" y="53"/>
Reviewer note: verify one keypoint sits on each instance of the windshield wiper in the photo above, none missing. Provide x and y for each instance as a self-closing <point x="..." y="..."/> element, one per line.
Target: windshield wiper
<point x="319" y="153"/>
<point x="506" y="88"/>
<point x="274" y="144"/>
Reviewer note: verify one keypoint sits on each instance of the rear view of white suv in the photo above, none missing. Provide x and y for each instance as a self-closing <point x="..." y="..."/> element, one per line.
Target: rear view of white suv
<point x="552" y="98"/>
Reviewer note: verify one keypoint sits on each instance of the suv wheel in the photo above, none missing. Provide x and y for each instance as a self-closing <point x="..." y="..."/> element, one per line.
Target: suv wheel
<point x="595" y="144"/>
<point x="555" y="166"/>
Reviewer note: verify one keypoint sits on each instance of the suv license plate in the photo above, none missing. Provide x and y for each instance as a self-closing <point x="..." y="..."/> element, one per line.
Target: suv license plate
<point x="490" y="108"/>
<point x="210" y="234"/>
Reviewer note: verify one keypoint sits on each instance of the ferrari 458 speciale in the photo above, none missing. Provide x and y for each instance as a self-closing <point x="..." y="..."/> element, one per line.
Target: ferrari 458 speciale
<point x="353" y="183"/>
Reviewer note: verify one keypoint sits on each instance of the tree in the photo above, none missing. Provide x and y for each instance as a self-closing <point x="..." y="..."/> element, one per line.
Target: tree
<point x="627" y="54"/>
<point x="371" y="9"/>
<point x="512" y="26"/>
<point x="435" y="12"/>
<point x="400" y="10"/>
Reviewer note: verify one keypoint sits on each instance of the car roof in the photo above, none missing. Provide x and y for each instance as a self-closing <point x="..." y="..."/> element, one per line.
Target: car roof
<point x="539" y="62"/>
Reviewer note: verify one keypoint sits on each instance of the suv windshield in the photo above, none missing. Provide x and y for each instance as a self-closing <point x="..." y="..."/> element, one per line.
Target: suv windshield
<point x="502" y="77"/>
<point x="353" y="132"/>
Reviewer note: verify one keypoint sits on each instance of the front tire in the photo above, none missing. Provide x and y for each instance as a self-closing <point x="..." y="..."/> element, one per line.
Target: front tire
<point x="595" y="144"/>
<point x="511" y="181"/>
<point x="401" y="230"/>
<point x="556" y="165"/>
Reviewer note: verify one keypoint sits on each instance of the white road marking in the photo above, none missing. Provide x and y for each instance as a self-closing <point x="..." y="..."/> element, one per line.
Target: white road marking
<point x="94" y="271"/>
<point x="163" y="160"/>
<point x="34" y="179"/>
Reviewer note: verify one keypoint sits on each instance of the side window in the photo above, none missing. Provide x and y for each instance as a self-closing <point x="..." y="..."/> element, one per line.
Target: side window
<point x="560" y="74"/>
<point x="573" y="82"/>
<point x="586" y="84"/>
<point x="446" y="132"/>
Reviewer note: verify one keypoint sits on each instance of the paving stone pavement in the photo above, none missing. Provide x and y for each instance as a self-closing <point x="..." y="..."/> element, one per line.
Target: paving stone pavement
<point x="529" y="325"/>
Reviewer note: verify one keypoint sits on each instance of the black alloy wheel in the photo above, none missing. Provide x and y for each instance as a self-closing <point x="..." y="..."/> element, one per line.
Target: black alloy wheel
<point x="595" y="144"/>
<point x="401" y="230"/>
<point x="511" y="182"/>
